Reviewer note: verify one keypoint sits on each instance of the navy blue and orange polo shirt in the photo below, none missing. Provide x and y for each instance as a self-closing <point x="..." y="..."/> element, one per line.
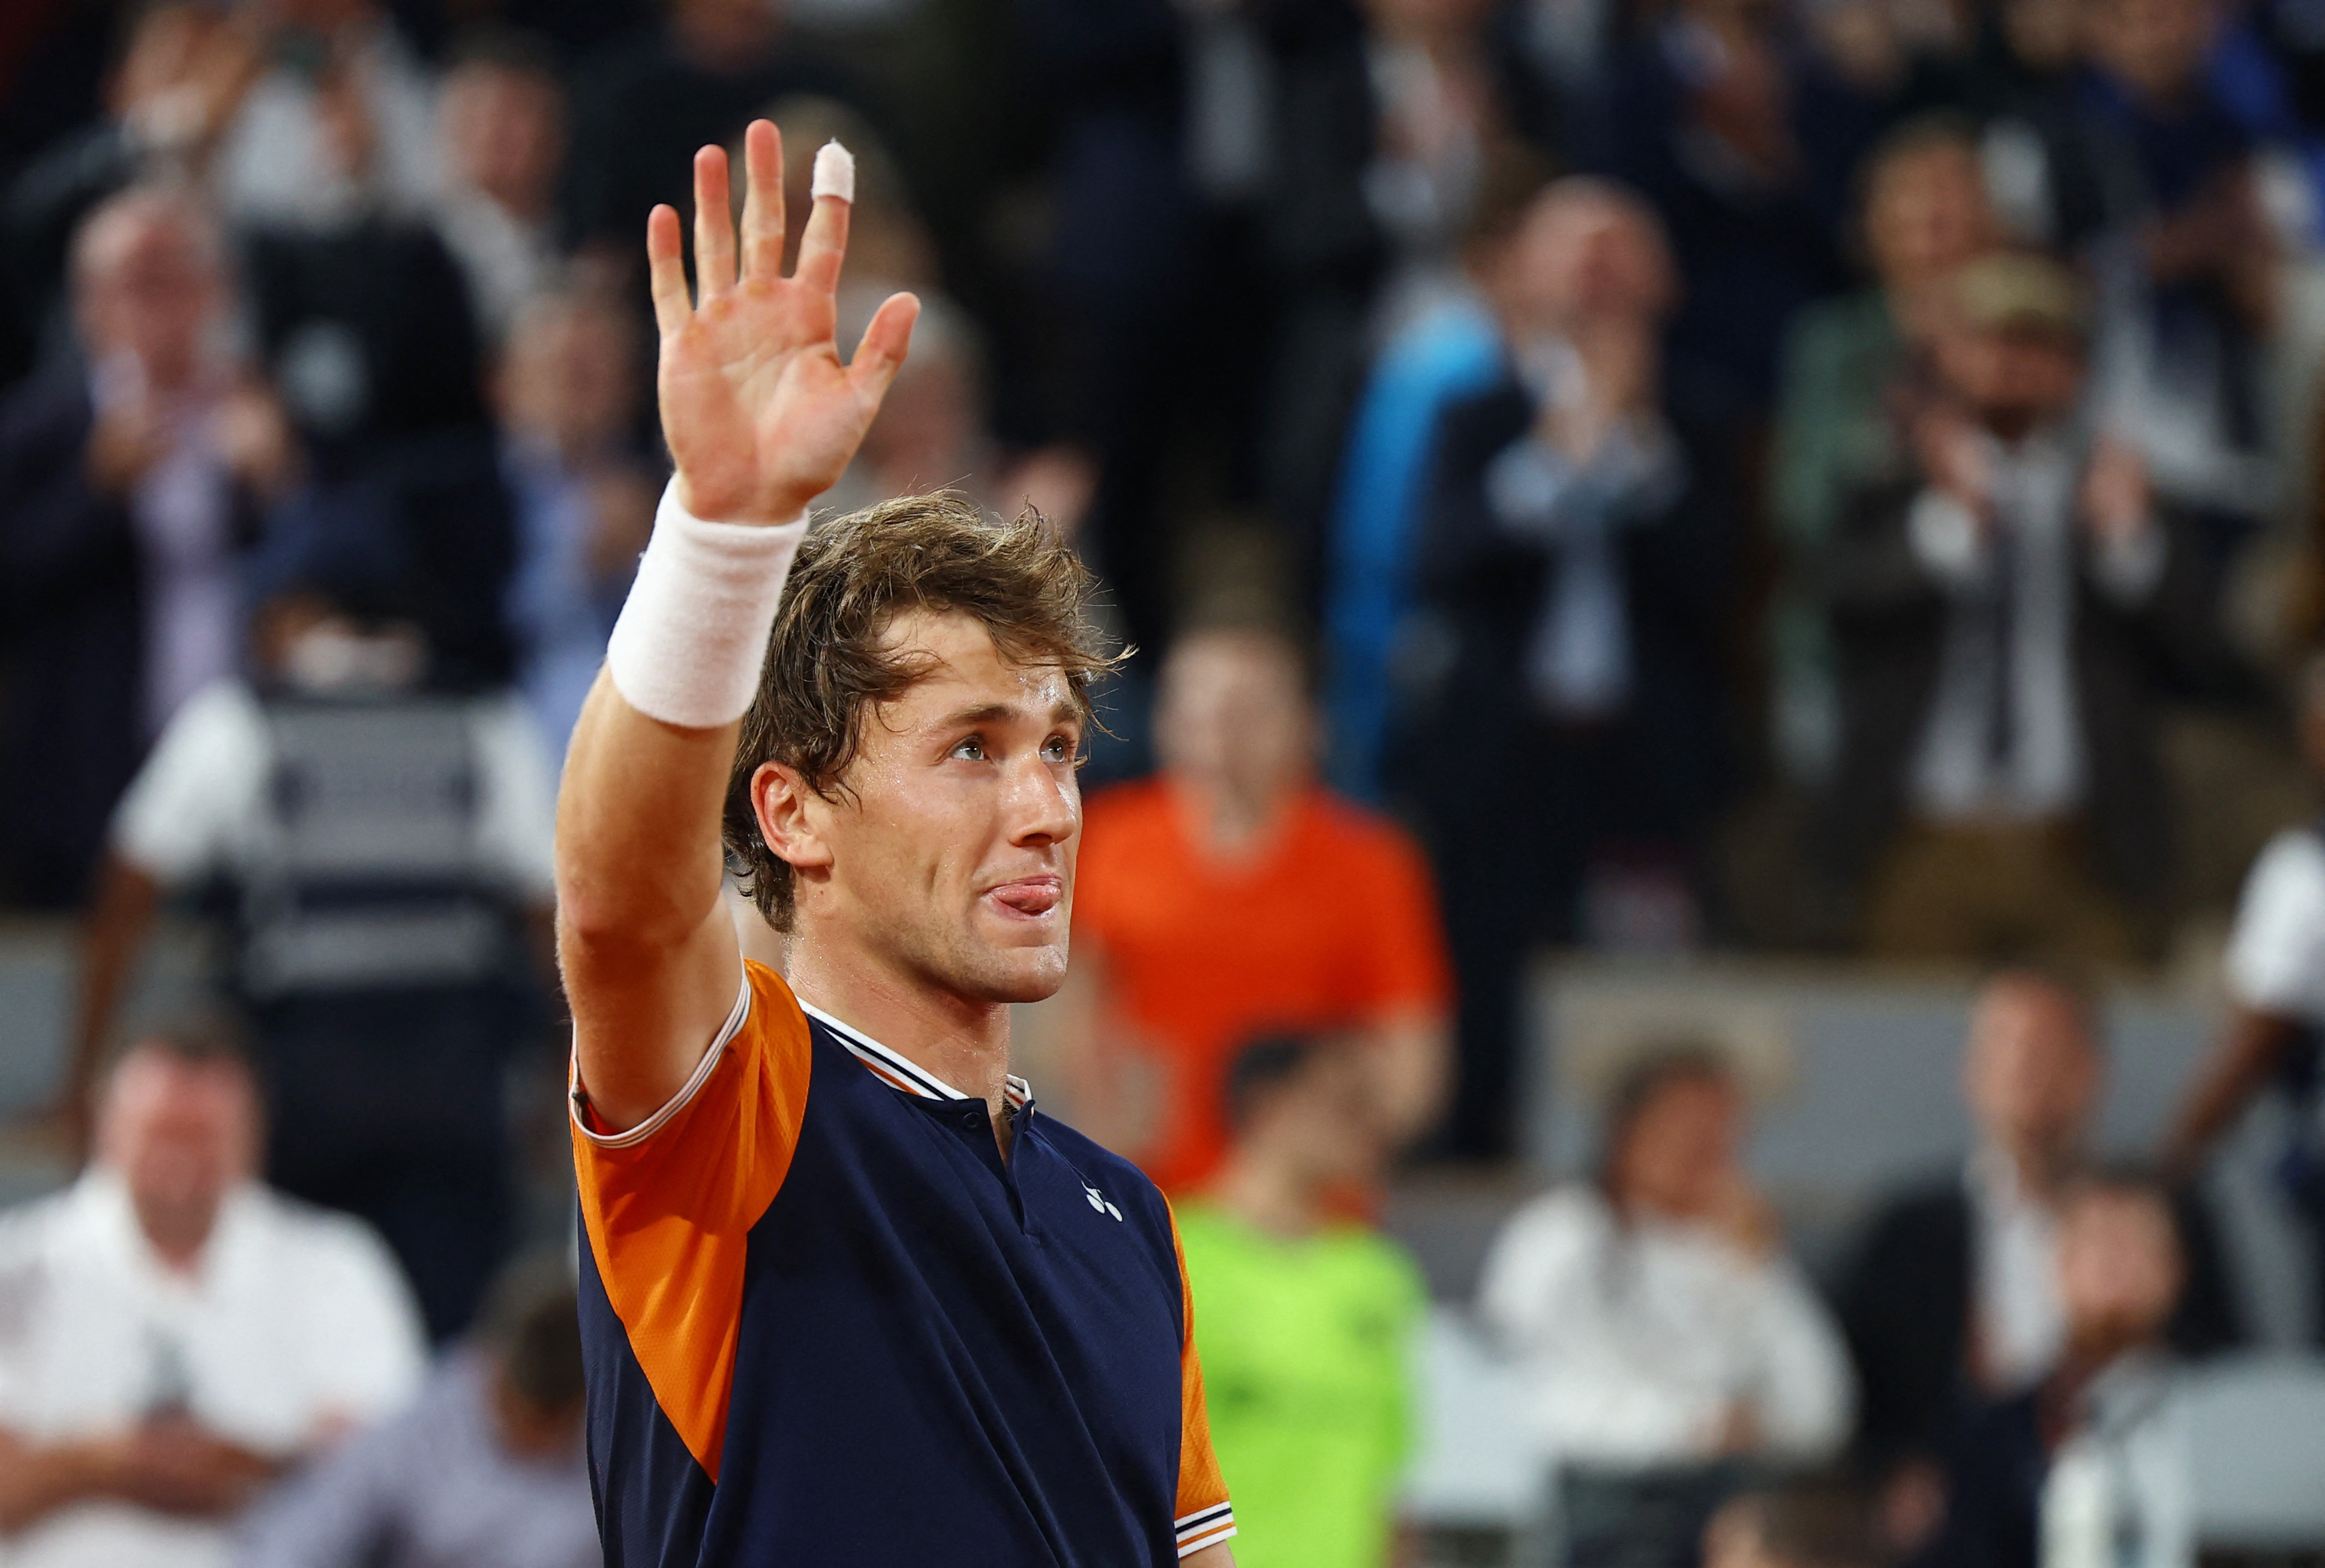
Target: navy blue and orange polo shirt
<point x="825" y="1321"/>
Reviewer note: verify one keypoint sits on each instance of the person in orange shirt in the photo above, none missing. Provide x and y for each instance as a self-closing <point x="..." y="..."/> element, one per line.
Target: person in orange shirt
<point x="1232" y="895"/>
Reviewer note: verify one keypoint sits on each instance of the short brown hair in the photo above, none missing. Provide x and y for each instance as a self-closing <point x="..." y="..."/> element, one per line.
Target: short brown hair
<point x="828" y="665"/>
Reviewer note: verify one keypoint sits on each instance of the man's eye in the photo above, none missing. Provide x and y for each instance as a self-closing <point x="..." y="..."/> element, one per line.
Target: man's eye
<point x="971" y="749"/>
<point x="1057" y="749"/>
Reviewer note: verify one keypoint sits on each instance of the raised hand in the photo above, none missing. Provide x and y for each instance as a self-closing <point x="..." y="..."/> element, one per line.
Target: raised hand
<point x="760" y="413"/>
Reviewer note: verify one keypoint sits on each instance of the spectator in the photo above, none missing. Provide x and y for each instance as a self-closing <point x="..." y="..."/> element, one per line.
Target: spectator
<point x="179" y="1334"/>
<point x="500" y="126"/>
<point x="1577" y="567"/>
<point x="2091" y="1465"/>
<point x="484" y="1469"/>
<point x="342" y="119"/>
<point x="2275" y="972"/>
<point x="2169" y="201"/>
<point x="1307" y="1323"/>
<point x="643" y="108"/>
<point x="1711" y="115"/>
<point x="567" y="388"/>
<point x="128" y="486"/>
<point x="1652" y="1316"/>
<point x="2003" y="621"/>
<point x="1952" y="1299"/>
<point x="182" y="71"/>
<point x="380" y="848"/>
<point x="1925" y="214"/>
<point x="1444" y="355"/>
<point x="1231" y="896"/>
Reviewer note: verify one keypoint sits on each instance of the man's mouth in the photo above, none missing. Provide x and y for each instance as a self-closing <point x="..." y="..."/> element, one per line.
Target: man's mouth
<point x="1031" y="896"/>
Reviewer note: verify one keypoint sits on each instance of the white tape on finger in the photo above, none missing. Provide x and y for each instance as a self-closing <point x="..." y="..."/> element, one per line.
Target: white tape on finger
<point x="692" y="636"/>
<point x="835" y="173"/>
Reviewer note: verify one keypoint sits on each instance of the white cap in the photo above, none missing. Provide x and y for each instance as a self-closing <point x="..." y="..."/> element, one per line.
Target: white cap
<point x="835" y="173"/>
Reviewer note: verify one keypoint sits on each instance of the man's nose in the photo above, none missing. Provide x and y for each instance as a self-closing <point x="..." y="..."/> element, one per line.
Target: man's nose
<point x="1041" y="808"/>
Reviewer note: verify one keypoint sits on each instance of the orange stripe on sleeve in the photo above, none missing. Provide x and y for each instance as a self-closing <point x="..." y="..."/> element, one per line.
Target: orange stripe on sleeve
<point x="669" y="1214"/>
<point x="1203" y="1515"/>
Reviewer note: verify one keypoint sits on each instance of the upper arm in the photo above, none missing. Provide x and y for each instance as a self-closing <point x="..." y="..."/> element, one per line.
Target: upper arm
<point x="1406" y="969"/>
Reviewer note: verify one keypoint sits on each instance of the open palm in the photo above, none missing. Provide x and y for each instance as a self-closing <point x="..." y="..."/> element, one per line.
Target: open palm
<point x="760" y="413"/>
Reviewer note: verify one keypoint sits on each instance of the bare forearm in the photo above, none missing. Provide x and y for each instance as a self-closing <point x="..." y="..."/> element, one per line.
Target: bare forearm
<point x="118" y="924"/>
<point x="1412" y="1057"/>
<point x="35" y="1481"/>
<point x="647" y="951"/>
<point x="2238" y="1067"/>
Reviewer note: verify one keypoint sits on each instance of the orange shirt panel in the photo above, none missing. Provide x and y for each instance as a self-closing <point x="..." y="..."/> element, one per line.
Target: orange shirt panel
<point x="1203" y="1488"/>
<point x="668" y="1206"/>
<point x="1334" y="925"/>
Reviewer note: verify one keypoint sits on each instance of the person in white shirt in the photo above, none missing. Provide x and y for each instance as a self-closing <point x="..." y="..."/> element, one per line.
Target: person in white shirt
<point x="2275" y="976"/>
<point x="1653" y="1316"/>
<point x="173" y="1334"/>
<point x="383" y="851"/>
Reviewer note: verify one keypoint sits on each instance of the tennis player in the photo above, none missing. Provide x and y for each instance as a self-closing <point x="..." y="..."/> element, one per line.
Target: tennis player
<point x="846" y="1298"/>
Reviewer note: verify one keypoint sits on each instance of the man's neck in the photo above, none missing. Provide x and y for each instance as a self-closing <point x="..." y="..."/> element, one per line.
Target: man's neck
<point x="963" y="1041"/>
<point x="1228" y="824"/>
<point x="1270" y="1196"/>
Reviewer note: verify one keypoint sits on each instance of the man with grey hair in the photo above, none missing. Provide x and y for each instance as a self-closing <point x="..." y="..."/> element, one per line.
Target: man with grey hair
<point x="127" y="485"/>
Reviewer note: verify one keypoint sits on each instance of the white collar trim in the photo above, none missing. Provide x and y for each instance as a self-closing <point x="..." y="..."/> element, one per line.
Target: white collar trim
<point x="901" y="1074"/>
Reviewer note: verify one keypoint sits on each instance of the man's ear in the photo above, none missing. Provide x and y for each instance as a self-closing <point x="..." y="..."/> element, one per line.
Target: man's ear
<point x="786" y="809"/>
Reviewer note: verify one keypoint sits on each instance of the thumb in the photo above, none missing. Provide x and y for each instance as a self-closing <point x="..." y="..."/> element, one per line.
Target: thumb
<point x="886" y="340"/>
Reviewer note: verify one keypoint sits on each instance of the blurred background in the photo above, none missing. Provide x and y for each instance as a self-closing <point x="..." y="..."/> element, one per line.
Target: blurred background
<point x="1706" y="885"/>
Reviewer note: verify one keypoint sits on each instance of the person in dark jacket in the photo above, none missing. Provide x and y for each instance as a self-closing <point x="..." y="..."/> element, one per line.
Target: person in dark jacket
<point x="128" y="485"/>
<point x="1577" y="561"/>
<point x="1952" y="1298"/>
<point x="2006" y="618"/>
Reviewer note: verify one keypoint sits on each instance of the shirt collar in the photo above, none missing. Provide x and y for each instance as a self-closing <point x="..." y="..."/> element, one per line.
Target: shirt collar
<point x="904" y="1076"/>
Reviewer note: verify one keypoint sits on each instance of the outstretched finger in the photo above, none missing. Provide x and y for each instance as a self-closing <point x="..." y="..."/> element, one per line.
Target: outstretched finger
<point x="763" y="201"/>
<point x="886" y="340"/>
<point x="714" y="225"/>
<point x="666" y="270"/>
<point x="824" y="245"/>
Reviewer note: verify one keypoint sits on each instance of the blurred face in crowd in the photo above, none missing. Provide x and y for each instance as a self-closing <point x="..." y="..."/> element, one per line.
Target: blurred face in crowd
<point x="2032" y="1071"/>
<point x="2044" y="34"/>
<point x="930" y="431"/>
<point x="180" y="1134"/>
<point x="504" y="134"/>
<point x="1320" y="1124"/>
<point x="1589" y="251"/>
<point x="2154" y="47"/>
<point x="2120" y="1267"/>
<point x="570" y="375"/>
<point x="2011" y="379"/>
<point x="1679" y="1158"/>
<point x="1232" y="717"/>
<point x="146" y="285"/>
<point x="1926" y="213"/>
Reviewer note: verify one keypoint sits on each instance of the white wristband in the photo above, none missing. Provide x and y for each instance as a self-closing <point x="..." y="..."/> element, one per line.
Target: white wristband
<point x="692" y="636"/>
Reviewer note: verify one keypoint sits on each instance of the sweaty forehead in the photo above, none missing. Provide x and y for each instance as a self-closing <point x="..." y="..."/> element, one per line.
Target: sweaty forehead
<point x="965" y="667"/>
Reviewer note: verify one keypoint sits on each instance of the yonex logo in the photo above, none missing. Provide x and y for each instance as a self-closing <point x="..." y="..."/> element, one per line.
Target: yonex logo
<point x="1098" y="1201"/>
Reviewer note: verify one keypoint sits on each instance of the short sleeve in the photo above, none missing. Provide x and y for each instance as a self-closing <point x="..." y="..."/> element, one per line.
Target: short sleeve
<point x="517" y="826"/>
<point x="177" y="820"/>
<point x="2276" y="952"/>
<point x="668" y="1205"/>
<point x="1204" y="1516"/>
<point x="1405" y="967"/>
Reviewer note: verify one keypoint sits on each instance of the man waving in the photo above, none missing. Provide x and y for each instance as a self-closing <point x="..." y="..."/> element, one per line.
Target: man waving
<point x="846" y="1298"/>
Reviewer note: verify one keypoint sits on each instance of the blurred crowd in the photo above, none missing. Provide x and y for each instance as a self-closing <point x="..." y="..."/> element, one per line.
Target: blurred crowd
<point x="1636" y="476"/>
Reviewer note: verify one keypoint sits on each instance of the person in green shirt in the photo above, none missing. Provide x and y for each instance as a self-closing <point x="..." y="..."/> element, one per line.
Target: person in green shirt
<point x="1305" y="1319"/>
